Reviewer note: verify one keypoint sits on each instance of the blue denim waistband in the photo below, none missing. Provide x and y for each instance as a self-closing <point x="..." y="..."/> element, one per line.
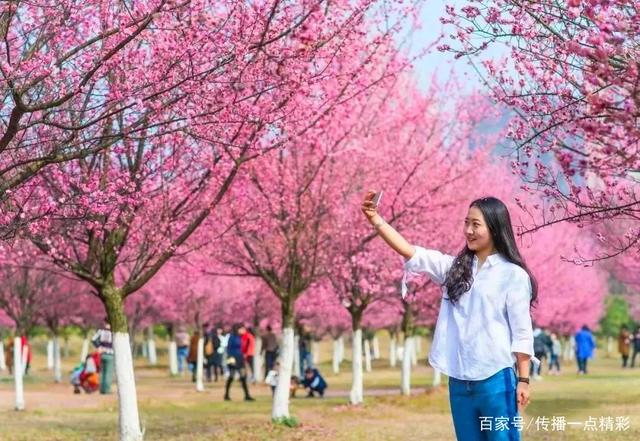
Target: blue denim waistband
<point x="501" y="381"/>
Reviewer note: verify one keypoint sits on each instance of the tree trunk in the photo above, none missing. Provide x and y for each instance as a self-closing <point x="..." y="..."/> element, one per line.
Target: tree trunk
<point x="393" y="350"/>
<point x="17" y="373"/>
<point x="50" y="354"/>
<point x="85" y="350"/>
<point x="3" y="362"/>
<point x="609" y="346"/>
<point x="129" y="421"/>
<point x="25" y="359"/>
<point x="418" y="343"/>
<point x="315" y="350"/>
<point x="376" y="348"/>
<point x="199" y="365"/>
<point x="173" y="358"/>
<point x="341" y="349"/>
<point x="336" y="356"/>
<point x="57" y="368"/>
<point x="66" y="347"/>
<point x="151" y="347"/>
<point x="356" y="395"/>
<point x="257" y="360"/>
<point x="296" y="355"/>
<point x="145" y="348"/>
<point x="406" y="366"/>
<point x="281" y="397"/>
<point x="413" y="352"/>
<point x="437" y="378"/>
<point x="367" y="355"/>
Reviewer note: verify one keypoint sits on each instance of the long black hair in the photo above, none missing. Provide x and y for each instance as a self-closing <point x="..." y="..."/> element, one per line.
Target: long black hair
<point x="496" y="215"/>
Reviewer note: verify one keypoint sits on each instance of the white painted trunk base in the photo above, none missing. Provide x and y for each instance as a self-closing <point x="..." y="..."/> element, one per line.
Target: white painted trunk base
<point x="258" y="374"/>
<point x="572" y="349"/>
<point x="153" y="354"/>
<point x="413" y="352"/>
<point x="127" y="396"/>
<point x="356" y="394"/>
<point x="609" y="345"/>
<point x="315" y="352"/>
<point x="376" y="348"/>
<point x="405" y="386"/>
<point x="341" y="349"/>
<point x="3" y="362"/>
<point x="280" y="407"/>
<point x="57" y="365"/>
<point x="17" y="373"/>
<point x="437" y="378"/>
<point x="25" y="358"/>
<point x="173" y="358"/>
<point x="50" y="354"/>
<point x="296" y="355"/>
<point x="418" y="343"/>
<point x="393" y="351"/>
<point x="335" y="359"/>
<point x="85" y="350"/>
<point x="199" y="365"/>
<point x="367" y="355"/>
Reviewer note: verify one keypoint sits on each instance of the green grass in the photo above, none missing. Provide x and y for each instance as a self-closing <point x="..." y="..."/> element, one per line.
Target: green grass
<point x="171" y="409"/>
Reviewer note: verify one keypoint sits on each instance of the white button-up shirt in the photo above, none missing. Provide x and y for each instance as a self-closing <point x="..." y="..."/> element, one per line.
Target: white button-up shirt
<point x="478" y="336"/>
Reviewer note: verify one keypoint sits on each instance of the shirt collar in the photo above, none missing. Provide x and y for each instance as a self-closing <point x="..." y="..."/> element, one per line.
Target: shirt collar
<point x="492" y="260"/>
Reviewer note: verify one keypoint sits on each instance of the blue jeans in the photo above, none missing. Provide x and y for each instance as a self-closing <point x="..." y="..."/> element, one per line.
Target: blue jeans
<point x="485" y="410"/>
<point x="306" y="361"/>
<point x="183" y="351"/>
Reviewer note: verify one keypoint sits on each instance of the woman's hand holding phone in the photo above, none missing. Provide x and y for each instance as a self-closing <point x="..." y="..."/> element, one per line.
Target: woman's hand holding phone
<point x="370" y="204"/>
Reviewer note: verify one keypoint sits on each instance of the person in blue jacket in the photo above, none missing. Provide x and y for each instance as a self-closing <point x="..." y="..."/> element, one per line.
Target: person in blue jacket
<point x="314" y="382"/>
<point x="585" y="344"/>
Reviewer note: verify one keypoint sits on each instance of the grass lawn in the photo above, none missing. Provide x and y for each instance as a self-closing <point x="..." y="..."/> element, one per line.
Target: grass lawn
<point x="171" y="409"/>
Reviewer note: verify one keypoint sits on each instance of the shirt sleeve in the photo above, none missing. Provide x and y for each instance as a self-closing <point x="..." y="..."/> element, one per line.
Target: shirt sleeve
<point x="431" y="262"/>
<point x="519" y="315"/>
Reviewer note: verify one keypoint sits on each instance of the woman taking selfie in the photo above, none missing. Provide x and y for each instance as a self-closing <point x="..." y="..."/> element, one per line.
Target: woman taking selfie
<point x="484" y="324"/>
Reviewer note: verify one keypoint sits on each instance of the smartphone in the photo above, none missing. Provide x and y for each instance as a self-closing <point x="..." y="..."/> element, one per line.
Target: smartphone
<point x="376" y="198"/>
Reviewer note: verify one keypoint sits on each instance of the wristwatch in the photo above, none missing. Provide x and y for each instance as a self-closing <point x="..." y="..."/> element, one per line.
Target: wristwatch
<point x="523" y="380"/>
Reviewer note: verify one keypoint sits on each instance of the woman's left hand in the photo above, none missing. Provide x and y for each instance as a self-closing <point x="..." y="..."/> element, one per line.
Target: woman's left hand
<point x="522" y="394"/>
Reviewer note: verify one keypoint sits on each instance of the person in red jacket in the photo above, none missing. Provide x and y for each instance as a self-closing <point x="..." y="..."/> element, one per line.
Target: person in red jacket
<point x="248" y="348"/>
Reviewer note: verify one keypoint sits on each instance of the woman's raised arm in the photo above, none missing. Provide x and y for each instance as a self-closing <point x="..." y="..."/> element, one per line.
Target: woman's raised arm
<point x="386" y="231"/>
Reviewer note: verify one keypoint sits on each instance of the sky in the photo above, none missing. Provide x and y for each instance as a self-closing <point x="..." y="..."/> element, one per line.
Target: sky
<point x="443" y="63"/>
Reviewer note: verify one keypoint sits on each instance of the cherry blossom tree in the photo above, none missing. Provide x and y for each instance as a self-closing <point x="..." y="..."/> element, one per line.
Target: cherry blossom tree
<point x="570" y="81"/>
<point x="265" y="75"/>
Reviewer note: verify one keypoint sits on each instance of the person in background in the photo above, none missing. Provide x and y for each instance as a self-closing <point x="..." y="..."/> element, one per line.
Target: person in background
<point x="269" y="348"/>
<point x="585" y="344"/>
<point x="304" y="346"/>
<point x="224" y="342"/>
<point x="554" y="357"/>
<point x="624" y="344"/>
<point x="272" y="377"/>
<point x="236" y="363"/>
<point x="214" y="361"/>
<point x="103" y="341"/>
<point x="314" y="382"/>
<point x="541" y="345"/>
<point x="636" y="346"/>
<point x="182" y="343"/>
<point x="192" y="358"/>
<point x="248" y="349"/>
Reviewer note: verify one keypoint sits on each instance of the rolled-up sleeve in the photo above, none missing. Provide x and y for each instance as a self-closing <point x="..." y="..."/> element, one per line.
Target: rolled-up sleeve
<point x="431" y="262"/>
<point x="518" y="313"/>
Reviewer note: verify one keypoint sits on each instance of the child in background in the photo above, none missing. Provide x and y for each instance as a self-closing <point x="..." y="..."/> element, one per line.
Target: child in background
<point x="272" y="380"/>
